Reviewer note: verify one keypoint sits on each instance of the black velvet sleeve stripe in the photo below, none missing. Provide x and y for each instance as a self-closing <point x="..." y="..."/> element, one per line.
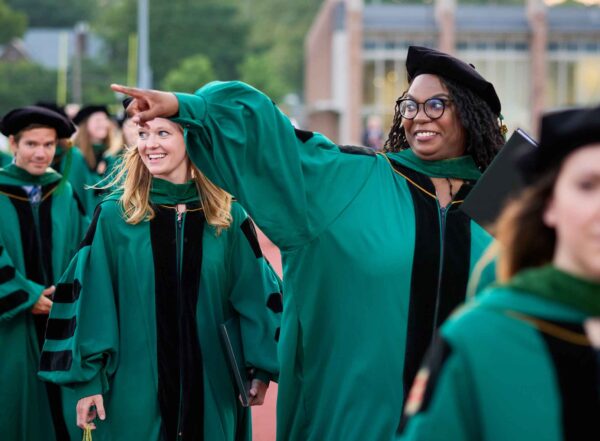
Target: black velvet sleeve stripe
<point x="13" y="300"/>
<point x="275" y="302"/>
<point x="277" y="333"/>
<point x="7" y="273"/>
<point x="67" y="292"/>
<point x="1" y="250"/>
<point x="303" y="135"/>
<point x="61" y="329"/>
<point x="89" y="235"/>
<point x="432" y="367"/>
<point x="56" y="361"/>
<point x="250" y="233"/>
<point x="356" y="150"/>
<point x="80" y="206"/>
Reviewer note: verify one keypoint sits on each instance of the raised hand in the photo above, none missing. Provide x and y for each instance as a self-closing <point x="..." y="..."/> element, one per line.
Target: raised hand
<point x="148" y="104"/>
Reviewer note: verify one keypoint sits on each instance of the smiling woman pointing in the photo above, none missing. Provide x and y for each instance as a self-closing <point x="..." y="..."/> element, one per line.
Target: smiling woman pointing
<point x="375" y="251"/>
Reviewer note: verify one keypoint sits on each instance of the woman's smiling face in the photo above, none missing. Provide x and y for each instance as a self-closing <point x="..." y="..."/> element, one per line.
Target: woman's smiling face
<point x="434" y="139"/>
<point x="162" y="148"/>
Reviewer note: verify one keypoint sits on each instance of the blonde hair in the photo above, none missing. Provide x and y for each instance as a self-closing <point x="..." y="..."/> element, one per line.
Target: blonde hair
<point x="133" y="178"/>
<point x="84" y="142"/>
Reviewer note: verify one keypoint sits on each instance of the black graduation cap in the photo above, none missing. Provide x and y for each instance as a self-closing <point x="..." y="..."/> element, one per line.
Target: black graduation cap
<point x="86" y="111"/>
<point x="126" y="102"/>
<point x="422" y="60"/>
<point x="17" y="119"/>
<point x="561" y="133"/>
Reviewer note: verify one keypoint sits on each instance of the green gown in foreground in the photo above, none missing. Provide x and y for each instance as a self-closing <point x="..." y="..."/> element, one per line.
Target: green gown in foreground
<point x="139" y="318"/>
<point x="513" y="365"/>
<point x="37" y="242"/>
<point x="372" y="264"/>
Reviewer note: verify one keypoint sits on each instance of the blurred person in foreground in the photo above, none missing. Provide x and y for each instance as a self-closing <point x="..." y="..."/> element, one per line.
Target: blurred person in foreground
<point x="522" y="361"/>
<point x="362" y="299"/>
<point x="41" y="226"/>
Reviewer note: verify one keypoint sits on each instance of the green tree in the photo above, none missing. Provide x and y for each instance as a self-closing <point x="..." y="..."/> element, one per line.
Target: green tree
<point x="282" y="47"/>
<point x="179" y="29"/>
<point x="193" y="72"/>
<point x="55" y="13"/>
<point x="24" y="83"/>
<point x="12" y="23"/>
<point x="259" y="71"/>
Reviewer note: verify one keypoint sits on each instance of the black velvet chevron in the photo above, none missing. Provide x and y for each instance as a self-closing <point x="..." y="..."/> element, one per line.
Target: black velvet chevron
<point x="275" y="302"/>
<point x="250" y="232"/>
<point x="61" y="329"/>
<point x="434" y="361"/>
<point x="303" y="135"/>
<point x="576" y="372"/>
<point x="179" y="355"/>
<point x="67" y="292"/>
<point x="13" y="300"/>
<point x="7" y="273"/>
<point x="432" y="297"/>
<point x="91" y="232"/>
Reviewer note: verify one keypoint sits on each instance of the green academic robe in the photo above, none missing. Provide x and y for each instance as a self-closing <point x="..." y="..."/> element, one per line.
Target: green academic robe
<point x="511" y="365"/>
<point x="72" y="165"/>
<point x="36" y="244"/>
<point x="5" y="158"/>
<point x="139" y="319"/>
<point x="372" y="264"/>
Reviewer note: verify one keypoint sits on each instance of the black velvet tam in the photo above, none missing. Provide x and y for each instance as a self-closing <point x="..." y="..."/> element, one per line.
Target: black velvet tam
<point x="422" y="60"/>
<point x="561" y="134"/>
<point x="17" y="119"/>
<point x="86" y="111"/>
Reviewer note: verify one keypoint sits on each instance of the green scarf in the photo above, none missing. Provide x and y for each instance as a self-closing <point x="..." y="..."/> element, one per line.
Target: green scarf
<point x="462" y="167"/>
<point x="553" y="284"/>
<point x="14" y="175"/>
<point x="165" y="192"/>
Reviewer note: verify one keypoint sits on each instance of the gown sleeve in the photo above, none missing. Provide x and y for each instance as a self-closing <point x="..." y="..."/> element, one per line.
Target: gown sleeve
<point x="441" y="404"/>
<point x="256" y="296"/>
<point x="293" y="183"/>
<point x="82" y="344"/>
<point x="17" y="293"/>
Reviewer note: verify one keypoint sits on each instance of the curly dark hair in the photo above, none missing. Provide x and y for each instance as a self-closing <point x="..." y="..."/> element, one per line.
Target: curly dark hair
<point x="483" y="132"/>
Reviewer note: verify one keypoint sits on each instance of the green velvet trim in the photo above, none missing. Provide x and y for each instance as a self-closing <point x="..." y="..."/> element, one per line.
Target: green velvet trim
<point x="462" y="167"/>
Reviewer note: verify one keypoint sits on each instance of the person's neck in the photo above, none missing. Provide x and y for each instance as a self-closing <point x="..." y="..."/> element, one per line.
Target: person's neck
<point x="175" y="178"/>
<point x="568" y="265"/>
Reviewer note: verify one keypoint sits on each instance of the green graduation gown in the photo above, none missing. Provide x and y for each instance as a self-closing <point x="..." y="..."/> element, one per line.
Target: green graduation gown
<point x="372" y="264"/>
<point x="509" y="366"/>
<point x="5" y="158"/>
<point x="72" y="165"/>
<point x="139" y="318"/>
<point x="36" y="244"/>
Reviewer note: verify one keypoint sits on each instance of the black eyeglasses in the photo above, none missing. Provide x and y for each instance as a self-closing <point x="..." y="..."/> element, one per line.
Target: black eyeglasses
<point x="433" y="107"/>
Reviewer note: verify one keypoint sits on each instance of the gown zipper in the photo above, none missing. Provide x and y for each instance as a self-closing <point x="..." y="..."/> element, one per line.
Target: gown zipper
<point x="442" y="211"/>
<point x="178" y="251"/>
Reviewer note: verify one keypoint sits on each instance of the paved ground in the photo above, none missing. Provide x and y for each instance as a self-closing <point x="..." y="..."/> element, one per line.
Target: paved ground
<point x="263" y="417"/>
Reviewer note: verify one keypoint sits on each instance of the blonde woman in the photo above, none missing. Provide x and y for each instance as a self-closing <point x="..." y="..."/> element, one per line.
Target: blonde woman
<point x="168" y="258"/>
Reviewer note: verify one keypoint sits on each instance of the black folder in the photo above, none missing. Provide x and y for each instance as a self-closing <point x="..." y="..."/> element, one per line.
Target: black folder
<point x="232" y="341"/>
<point x="500" y="181"/>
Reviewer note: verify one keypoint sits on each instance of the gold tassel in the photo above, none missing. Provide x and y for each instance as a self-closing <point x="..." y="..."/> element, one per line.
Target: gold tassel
<point x="87" y="433"/>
